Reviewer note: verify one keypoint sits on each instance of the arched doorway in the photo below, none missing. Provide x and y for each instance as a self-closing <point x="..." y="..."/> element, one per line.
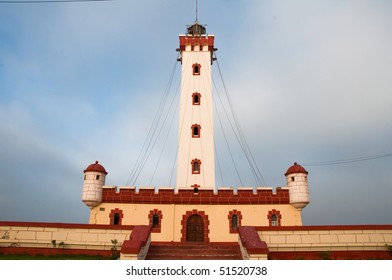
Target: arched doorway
<point x="195" y="229"/>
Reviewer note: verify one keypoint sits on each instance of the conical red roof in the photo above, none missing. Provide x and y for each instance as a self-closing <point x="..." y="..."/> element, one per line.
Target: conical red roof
<point x="296" y="168"/>
<point x="95" y="167"/>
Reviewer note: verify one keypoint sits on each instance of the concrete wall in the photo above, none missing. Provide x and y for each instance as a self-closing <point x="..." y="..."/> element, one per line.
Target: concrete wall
<point x="286" y="242"/>
<point x="327" y="238"/>
<point x="73" y="236"/>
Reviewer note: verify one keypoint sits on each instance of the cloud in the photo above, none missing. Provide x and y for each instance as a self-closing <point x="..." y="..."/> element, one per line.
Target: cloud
<point x="309" y="82"/>
<point x="36" y="175"/>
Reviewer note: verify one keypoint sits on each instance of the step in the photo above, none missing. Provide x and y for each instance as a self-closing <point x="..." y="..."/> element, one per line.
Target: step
<point x="194" y="251"/>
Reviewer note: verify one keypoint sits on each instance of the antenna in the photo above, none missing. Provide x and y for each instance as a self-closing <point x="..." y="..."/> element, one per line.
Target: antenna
<point x="196" y="11"/>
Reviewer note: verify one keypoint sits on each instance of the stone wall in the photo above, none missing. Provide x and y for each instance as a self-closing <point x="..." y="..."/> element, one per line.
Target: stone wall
<point x="350" y="239"/>
<point x="62" y="236"/>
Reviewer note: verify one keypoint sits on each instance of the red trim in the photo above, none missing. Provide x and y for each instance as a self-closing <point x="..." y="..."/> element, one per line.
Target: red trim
<point x="113" y="213"/>
<point x="278" y="216"/>
<point x="206" y="197"/>
<point x="138" y="239"/>
<point x="193" y="98"/>
<point x="151" y="216"/>
<point x="331" y="255"/>
<point x="184" y="224"/>
<point x="195" y="186"/>
<point x="163" y="243"/>
<point x="64" y="225"/>
<point x="194" y="170"/>
<point x="327" y="227"/>
<point x="54" y="251"/>
<point x="198" y="130"/>
<point x="196" y="69"/>
<point x="251" y="240"/>
<point x="239" y="219"/>
<point x="197" y="40"/>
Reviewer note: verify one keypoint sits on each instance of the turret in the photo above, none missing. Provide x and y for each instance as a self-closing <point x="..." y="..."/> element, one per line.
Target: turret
<point x="297" y="182"/>
<point x="94" y="180"/>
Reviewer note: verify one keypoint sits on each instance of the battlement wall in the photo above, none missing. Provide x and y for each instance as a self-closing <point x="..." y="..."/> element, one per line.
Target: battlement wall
<point x="197" y="40"/>
<point x="224" y="196"/>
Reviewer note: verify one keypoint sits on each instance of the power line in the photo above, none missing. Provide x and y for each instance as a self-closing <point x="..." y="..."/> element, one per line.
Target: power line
<point x="239" y="134"/>
<point x="153" y="133"/>
<point x="49" y="1"/>
<point x="349" y="160"/>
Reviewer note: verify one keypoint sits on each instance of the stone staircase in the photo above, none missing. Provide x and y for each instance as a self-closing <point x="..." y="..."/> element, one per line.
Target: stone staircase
<point x="194" y="251"/>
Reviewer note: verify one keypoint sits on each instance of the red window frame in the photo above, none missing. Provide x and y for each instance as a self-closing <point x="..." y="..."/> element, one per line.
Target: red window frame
<point x="196" y="69"/>
<point x="198" y="127"/>
<point x="196" y="166"/>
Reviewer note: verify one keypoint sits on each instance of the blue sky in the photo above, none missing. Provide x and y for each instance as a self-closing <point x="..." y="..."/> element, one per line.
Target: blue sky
<point x="310" y="81"/>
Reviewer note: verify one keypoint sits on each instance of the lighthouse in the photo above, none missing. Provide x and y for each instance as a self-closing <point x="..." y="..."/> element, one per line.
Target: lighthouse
<point x="195" y="158"/>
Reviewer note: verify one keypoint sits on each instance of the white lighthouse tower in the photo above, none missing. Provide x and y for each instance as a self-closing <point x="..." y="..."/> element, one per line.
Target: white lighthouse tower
<point x="195" y="164"/>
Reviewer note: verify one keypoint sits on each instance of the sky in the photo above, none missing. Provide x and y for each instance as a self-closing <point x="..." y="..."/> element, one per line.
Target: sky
<point x="309" y="82"/>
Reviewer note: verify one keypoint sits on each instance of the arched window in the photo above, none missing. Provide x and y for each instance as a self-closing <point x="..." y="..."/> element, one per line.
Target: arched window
<point x="116" y="219"/>
<point x="155" y="218"/>
<point x="235" y="218"/>
<point x="234" y="222"/>
<point x="274" y="218"/>
<point x="196" y="69"/>
<point x="116" y="215"/>
<point x="196" y="98"/>
<point x="196" y="131"/>
<point x="196" y="166"/>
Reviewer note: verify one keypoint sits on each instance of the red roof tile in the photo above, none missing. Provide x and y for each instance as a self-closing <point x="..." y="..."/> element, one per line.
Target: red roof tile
<point x="95" y="167"/>
<point x="296" y="168"/>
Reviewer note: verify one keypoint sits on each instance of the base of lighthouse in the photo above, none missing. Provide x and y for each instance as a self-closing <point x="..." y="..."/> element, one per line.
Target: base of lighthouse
<point x="186" y="216"/>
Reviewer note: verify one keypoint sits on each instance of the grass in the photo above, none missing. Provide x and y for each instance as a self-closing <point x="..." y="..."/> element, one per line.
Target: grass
<point x="52" y="257"/>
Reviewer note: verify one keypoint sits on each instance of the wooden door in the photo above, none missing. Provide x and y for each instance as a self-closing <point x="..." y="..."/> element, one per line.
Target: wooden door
<point x="195" y="229"/>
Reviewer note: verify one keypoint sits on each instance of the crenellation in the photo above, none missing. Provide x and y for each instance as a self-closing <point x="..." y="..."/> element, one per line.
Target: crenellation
<point x="188" y="196"/>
